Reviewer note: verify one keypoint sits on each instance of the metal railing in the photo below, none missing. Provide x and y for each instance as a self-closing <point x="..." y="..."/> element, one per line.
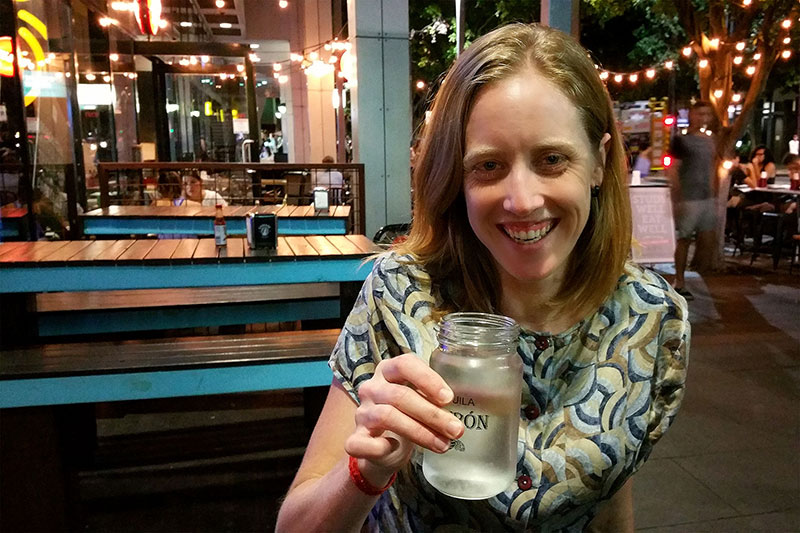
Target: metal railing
<point x="237" y="183"/>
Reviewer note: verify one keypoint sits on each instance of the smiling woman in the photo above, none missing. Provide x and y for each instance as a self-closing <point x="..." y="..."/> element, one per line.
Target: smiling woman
<point x="520" y="209"/>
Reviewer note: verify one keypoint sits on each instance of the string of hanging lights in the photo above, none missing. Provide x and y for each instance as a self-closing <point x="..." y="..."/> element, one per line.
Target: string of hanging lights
<point x="713" y="44"/>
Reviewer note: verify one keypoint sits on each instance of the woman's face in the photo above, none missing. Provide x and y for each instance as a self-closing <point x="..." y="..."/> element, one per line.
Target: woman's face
<point x="193" y="188"/>
<point x="528" y="173"/>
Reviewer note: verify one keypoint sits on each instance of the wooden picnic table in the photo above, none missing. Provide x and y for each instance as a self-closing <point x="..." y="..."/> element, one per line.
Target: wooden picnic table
<point x="47" y="389"/>
<point x="27" y="268"/>
<point x="199" y="220"/>
<point x="11" y="221"/>
<point x="31" y="267"/>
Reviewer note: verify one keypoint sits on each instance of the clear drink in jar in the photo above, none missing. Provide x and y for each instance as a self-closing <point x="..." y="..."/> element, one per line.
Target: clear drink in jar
<point x="485" y="374"/>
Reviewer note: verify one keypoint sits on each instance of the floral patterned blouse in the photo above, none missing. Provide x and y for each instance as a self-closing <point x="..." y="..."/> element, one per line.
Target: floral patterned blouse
<point x="596" y="399"/>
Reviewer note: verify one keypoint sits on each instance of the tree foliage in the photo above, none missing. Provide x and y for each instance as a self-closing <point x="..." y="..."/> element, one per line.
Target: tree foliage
<point x="758" y="26"/>
<point x="626" y="35"/>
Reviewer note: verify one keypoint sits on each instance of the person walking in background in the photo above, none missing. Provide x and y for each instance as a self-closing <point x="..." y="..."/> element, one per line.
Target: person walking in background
<point x="520" y="208"/>
<point x="643" y="160"/>
<point x="794" y="145"/>
<point x="693" y="187"/>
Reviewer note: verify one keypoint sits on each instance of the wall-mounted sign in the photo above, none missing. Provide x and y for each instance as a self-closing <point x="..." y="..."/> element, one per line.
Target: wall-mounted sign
<point x="6" y="57"/>
<point x="30" y="53"/>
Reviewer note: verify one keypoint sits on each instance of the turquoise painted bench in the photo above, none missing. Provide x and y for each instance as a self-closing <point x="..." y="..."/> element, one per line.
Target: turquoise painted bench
<point x="73" y="373"/>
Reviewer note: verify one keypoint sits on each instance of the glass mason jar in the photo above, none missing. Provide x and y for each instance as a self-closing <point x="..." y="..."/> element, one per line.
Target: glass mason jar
<point x="477" y="357"/>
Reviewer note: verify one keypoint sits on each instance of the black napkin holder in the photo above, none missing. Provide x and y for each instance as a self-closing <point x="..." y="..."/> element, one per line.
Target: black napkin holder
<point x="262" y="231"/>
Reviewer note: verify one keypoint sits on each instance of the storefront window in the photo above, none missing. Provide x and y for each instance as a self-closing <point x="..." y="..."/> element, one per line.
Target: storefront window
<point x="42" y="34"/>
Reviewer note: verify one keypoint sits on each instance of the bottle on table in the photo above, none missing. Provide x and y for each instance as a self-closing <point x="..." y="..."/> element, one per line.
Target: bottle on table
<point x="477" y="357"/>
<point x="220" y="229"/>
<point x="794" y="183"/>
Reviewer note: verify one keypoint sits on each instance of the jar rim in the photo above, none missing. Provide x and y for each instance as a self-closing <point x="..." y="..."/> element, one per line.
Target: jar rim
<point x="472" y="328"/>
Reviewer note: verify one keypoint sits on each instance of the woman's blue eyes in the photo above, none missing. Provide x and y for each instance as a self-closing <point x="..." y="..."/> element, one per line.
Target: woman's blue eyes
<point x="548" y="163"/>
<point x="553" y="159"/>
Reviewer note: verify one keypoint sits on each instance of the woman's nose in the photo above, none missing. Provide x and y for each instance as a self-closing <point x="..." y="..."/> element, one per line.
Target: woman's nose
<point x="523" y="192"/>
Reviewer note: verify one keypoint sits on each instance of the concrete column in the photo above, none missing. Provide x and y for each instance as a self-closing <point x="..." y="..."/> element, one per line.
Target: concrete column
<point x="562" y="15"/>
<point x="321" y="115"/>
<point x="381" y="107"/>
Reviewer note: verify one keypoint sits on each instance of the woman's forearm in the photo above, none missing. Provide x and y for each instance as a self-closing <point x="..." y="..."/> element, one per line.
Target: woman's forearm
<point x="328" y="503"/>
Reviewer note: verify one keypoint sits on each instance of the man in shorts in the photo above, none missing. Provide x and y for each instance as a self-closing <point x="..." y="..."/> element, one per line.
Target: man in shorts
<point x="692" y="179"/>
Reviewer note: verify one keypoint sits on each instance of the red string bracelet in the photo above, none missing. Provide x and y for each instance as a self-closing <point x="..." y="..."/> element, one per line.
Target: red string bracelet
<point x="363" y="485"/>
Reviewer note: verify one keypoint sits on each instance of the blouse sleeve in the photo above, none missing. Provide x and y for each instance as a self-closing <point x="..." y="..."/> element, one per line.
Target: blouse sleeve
<point x="391" y="316"/>
<point x="669" y="374"/>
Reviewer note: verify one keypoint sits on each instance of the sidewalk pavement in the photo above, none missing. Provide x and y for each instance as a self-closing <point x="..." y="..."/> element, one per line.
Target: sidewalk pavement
<point x="731" y="461"/>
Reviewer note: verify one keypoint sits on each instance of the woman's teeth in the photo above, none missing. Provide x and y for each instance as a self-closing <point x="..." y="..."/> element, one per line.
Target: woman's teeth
<point x="529" y="236"/>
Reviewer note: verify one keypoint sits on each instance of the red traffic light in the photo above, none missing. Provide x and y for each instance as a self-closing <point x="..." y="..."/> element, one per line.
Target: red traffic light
<point x="669" y="120"/>
<point x="667" y="161"/>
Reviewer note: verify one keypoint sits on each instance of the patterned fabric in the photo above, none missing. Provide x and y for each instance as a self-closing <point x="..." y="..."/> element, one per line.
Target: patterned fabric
<point x="596" y="398"/>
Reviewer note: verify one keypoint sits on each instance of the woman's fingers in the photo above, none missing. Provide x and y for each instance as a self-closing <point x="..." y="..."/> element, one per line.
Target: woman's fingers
<point x="408" y="368"/>
<point x="378" y="418"/>
<point x="382" y="402"/>
<point x="375" y="448"/>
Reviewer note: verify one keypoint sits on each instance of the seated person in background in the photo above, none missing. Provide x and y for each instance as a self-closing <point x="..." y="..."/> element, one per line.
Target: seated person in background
<point x="328" y="178"/>
<point x="642" y="163"/>
<point x="760" y="160"/>
<point x="168" y="189"/>
<point x="194" y="194"/>
<point x="792" y="162"/>
<point x="331" y="180"/>
<point x="738" y="174"/>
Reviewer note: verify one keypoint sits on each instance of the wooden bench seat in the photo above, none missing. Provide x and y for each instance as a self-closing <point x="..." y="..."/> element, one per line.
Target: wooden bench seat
<point x="93" y="312"/>
<point x="57" y="374"/>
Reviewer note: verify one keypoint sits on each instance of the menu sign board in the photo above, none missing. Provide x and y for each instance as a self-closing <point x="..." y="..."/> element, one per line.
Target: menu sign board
<point x="653" y="226"/>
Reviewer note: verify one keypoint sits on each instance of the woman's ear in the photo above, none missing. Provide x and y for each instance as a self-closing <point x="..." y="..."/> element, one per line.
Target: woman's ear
<point x="603" y="149"/>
